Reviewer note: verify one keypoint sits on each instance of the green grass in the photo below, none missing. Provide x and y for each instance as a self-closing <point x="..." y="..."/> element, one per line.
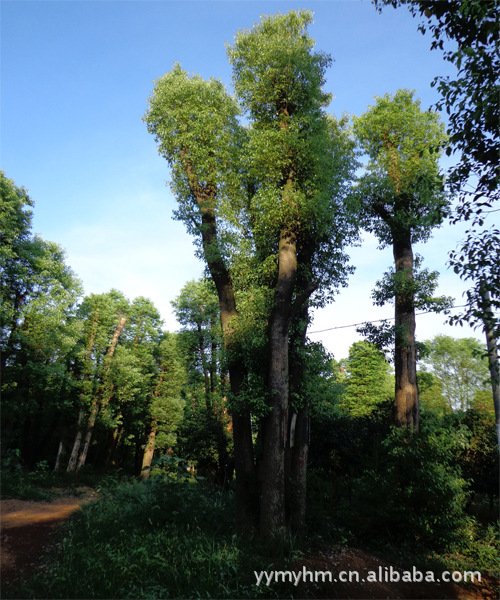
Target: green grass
<point x="152" y="539"/>
<point x="172" y="539"/>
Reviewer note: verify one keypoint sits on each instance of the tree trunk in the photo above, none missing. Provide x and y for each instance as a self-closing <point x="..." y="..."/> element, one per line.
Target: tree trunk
<point x="272" y="513"/>
<point x="242" y="428"/>
<point x="79" y="432"/>
<point x="149" y="451"/>
<point x="88" y="435"/>
<point x="60" y="452"/>
<point x="299" y="442"/>
<point x="493" y="363"/>
<point x="299" y="426"/>
<point x="77" y="443"/>
<point x="115" y="440"/>
<point x="405" y="358"/>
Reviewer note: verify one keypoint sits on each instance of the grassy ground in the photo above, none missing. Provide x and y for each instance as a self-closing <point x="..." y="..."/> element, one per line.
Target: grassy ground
<point x="167" y="539"/>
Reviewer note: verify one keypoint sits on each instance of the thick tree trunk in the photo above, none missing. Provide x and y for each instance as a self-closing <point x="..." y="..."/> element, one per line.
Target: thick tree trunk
<point x="272" y="513"/>
<point x="246" y="507"/>
<point x="299" y="430"/>
<point x="405" y="358"/>
<point x="149" y="451"/>
<point x="299" y="442"/>
<point x="493" y="362"/>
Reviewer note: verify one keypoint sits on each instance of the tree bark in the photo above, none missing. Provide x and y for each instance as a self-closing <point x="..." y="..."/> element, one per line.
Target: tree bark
<point x="246" y="505"/>
<point x="77" y="443"/>
<point x="493" y="362"/>
<point x="405" y="358"/>
<point x="272" y="514"/>
<point x="149" y="451"/>
<point x="81" y="414"/>
<point x="60" y="452"/>
<point x="299" y="425"/>
<point x="96" y="402"/>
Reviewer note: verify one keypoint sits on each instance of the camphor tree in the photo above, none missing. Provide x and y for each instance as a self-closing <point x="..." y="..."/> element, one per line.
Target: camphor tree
<point x="105" y="317"/>
<point x="402" y="199"/>
<point x="471" y="101"/>
<point x="194" y="122"/>
<point x="265" y="191"/>
<point x="294" y="209"/>
<point x="164" y="400"/>
<point x="197" y="310"/>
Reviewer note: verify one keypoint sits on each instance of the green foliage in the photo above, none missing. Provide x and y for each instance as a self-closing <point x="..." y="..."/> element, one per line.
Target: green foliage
<point x="402" y="188"/>
<point x="38" y="329"/>
<point x="471" y="97"/>
<point x="420" y="283"/>
<point x="460" y="367"/>
<point x="430" y="391"/>
<point x="195" y="124"/>
<point x="367" y="380"/>
<point x="477" y="260"/>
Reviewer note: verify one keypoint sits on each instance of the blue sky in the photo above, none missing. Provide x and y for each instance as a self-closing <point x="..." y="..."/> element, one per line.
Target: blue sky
<point x="76" y="76"/>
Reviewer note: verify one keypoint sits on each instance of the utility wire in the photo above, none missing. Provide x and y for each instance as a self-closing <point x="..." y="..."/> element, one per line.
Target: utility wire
<point x="378" y="320"/>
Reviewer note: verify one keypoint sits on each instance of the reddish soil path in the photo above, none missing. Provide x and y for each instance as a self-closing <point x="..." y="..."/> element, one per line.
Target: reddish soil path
<point x="25" y="531"/>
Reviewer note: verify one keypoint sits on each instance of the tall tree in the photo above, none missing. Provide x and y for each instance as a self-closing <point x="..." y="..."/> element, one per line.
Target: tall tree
<point x="195" y="124"/>
<point x="279" y="79"/>
<point x="274" y="201"/>
<point x="165" y="402"/>
<point x="471" y="101"/>
<point x="105" y="318"/>
<point x="402" y="199"/>
<point x="197" y="310"/>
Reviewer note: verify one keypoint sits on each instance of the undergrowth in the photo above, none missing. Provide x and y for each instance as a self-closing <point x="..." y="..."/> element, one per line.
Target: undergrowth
<point x="154" y="539"/>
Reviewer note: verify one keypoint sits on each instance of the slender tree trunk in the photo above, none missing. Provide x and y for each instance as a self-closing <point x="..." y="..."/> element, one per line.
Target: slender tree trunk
<point x="82" y="457"/>
<point x="405" y="360"/>
<point x="272" y="513"/>
<point x="81" y="414"/>
<point x="96" y="402"/>
<point x="149" y="451"/>
<point x="60" y="452"/>
<point x="299" y="442"/>
<point x="115" y="439"/>
<point x="77" y="443"/>
<point x="493" y="362"/>
<point x="203" y="362"/>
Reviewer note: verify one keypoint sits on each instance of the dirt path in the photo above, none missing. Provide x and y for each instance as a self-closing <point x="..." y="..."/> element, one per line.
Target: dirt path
<point x="25" y="531"/>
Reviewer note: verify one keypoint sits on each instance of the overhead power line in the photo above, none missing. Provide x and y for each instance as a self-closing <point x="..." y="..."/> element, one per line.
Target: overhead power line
<point x="425" y="312"/>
